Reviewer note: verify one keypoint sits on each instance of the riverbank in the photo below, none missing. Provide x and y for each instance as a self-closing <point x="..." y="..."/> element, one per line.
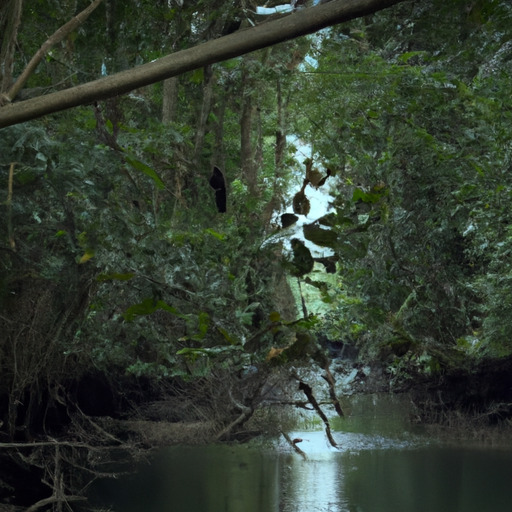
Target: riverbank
<point x="131" y="417"/>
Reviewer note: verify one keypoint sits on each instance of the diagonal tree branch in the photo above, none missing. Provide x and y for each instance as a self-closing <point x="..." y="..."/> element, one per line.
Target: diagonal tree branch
<point x="239" y="43"/>
<point x="55" y="38"/>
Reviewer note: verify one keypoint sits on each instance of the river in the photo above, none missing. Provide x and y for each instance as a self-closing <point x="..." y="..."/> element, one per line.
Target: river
<point x="397" y="469"/>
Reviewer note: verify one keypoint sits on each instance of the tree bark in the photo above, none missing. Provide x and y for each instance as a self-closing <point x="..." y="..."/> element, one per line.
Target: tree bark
<point x="169" y="99"/>
<point x="218" y="154"/>
<point x="232" y="45"/>
<point x="247" y="163"/>
<point x="280" y="148"/>
<point x="10" y="17"/>
<point x="205" y="112"/>
<point x="281" y="127"/>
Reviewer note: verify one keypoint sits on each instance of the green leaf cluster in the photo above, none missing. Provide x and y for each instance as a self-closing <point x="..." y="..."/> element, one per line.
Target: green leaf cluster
<point x="417" y="120"/>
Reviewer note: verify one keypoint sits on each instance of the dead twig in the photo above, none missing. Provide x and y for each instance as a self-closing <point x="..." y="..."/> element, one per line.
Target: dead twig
<point x="54" y="499"/>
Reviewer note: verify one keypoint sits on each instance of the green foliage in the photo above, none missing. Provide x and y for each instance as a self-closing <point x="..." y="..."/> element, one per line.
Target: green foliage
<point x="147" y="307"/>
<point x="148" y="171"/>
<point x="172" y="290"/>
<point x="116" y="238"/>
<point x="420" y="129"/>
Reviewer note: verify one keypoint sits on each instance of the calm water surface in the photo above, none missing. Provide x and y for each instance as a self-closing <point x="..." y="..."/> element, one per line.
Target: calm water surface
<point x="371" y="472"/>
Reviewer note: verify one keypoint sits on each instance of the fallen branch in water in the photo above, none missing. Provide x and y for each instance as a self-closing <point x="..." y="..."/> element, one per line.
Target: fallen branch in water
<point x="328" y="377"/>
<point x="293" y="444"/>
<point x="307" y="390"/>
<point x="246" y="413"/>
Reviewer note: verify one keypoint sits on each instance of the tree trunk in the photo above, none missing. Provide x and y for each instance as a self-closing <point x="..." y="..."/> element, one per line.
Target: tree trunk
<point x="280" y="148"/>
<point x="258" y="149"/>
<point x="205" y="112"/>
<point x="281" y="128"/>
<point x="218" y="155"/>
<point x="247" y="163"/>
<point x="10" y="17"/>
<point x="169" y="100"/>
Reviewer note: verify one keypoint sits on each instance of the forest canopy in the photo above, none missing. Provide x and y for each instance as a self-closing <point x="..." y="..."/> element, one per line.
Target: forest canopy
<point x="224" y="45"/>
<point x="116" y="258"/>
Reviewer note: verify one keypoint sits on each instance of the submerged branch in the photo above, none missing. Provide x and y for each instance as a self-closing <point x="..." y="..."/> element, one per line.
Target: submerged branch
<point x="293" y="444"/>
<point x="308" y="391"/>
<point x="328" y="377"/>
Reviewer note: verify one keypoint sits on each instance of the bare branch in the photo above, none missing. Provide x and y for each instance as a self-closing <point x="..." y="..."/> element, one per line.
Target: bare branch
<point x="55" y="38"/>
<point x="54" y="499"/>
<point x="308" y="391"/>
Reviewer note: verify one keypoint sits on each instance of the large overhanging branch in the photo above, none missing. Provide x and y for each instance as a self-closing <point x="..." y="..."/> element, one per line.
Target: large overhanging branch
<point x="239" y="43"/>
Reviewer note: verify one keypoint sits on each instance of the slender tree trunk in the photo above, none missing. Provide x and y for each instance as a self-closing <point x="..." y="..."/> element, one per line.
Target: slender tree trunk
<point x="280" y="149"/>
<point x="281" y="128"/>
<point x="205" y="112"/>
<point x="258" y="150"/>
<point x="169" y="100"/>
<point x="246" y="119"/>
<point x="218" y="153"/>
<point x="10" y="17"/>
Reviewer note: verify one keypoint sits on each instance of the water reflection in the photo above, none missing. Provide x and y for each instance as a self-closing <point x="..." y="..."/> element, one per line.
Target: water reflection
<point x="192" y="479"/>
<point x="380" y="467"/>
<point x="369" y="474"/>
<point x="315" y="483"/>
<point x="429" y="479"/>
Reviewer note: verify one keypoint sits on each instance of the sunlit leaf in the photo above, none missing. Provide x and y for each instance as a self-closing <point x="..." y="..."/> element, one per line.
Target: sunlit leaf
<point x="89" y="253"/>
<point x="227" y="336"/>
<point x="197" y="76"/>
<point x="217" y="235"/>
<point x="405" y="57"/>
<point x="231" y="63"/>
<point x="274" y="352"/>
<point x="203" y="321"/>
<point x="366" y="197"/>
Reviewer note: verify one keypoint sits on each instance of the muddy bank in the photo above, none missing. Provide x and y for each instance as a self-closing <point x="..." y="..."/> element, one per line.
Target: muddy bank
<point x="478" y="393"/>
<point x="474" y="392"/>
